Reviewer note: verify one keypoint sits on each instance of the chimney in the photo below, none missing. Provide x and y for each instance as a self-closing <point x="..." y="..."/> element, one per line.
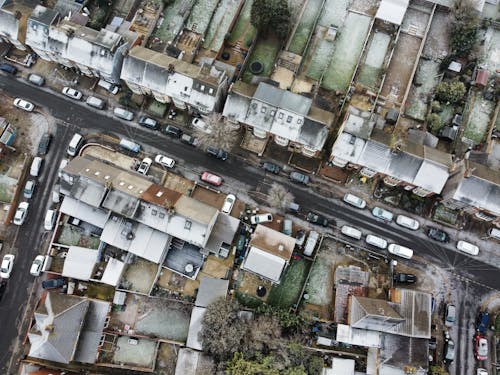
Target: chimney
<point x="281" y="247"/>
<point x="468" y="172"/>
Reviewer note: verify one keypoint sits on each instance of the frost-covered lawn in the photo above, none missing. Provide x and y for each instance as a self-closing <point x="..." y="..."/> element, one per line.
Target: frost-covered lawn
<point x="347" y="52"/>
<point x="200" y="15"/>
<point x="304" y="28"/>
<point x="426" y="78"/>
<point x="287" y="292"/>
<point x="320" y="58"/>
<point x="377" y="49"/>
<point x="243" y="29"/>
<point x="479" y="118"/>
<point x="320" y="284"/>
<point x="220" y="24"/>
<point x="168" y="320"/>
<point x="334" y="13"/>
<point x="265" y="51"/>
<point x="492" y="49"/>
<point x="172" y="19"/>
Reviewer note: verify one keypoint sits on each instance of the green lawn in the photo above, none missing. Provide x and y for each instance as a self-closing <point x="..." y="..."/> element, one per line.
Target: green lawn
<point x="304" y="28"/>
<point x="243" y="29"/>
<point x="265" y="51"/>
<point x="286" y="293"/>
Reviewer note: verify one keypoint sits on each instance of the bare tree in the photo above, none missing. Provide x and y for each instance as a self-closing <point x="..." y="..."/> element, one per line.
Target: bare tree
<point x="279" y="197"/>
<point x="221" y="135"/>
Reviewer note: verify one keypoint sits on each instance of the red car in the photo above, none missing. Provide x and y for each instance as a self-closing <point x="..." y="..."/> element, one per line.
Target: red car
<point x="481" y="348"/>
<point x="211" y="179"/>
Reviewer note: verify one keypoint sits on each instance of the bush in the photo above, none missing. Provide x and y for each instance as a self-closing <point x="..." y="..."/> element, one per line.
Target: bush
<point x="464" y="28"/>
<point x="450" y="92"/>
<point x="436" y="106"/>
<point x="434" y="122"/>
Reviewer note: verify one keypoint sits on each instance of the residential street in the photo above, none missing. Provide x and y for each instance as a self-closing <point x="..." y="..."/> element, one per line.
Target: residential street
<point x="193" y="161"/>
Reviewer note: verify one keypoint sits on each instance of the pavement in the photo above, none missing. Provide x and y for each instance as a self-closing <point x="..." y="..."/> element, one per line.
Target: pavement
<point x="480" y="272"/>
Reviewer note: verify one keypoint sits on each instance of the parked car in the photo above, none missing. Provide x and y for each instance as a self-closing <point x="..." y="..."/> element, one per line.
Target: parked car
<point x="62" y="165"/>
<point x="110" y="87"/>
<point x="376" y="241"/>
<point x="123" y="113"/>
<point x="407" y="222"/>
<point x="50" y="220"/>
<point x="36" y="165"/>
<point x="287" y="227"/>
<point x="165" y="161"/>
<point x="482" y="322"/>
<point x="261" y="218"/>
<point x="404" y="278"/>
<point x="299" y="177"/>
<point x="7" y="265"/>
<point x="481" y="348"/>
<point x="189" y="140"/>
<point x="199" y="124"/>
<point x="300" y="238"/>
<point x="8" y="68"/>
<point x="271" y="167"/>
<point x="351" y="232"/>
<point x="72" y="93"/>
<point x="43" y="145"/>
<point x="172" y="131"/>
<point x="29" y="189"/>
<point x="53" y="283"/>
<point x="96" y="102"/>
<point x="438" y="234"/>
<point x="316" y="219"/>
<point x="400" y="251"/>
<point x="36" y="79"/>
<point x="217" y="153"/>
<point x="450" y="315"/>
<point x="148" y="122"/>
<point x="382" y="214"/>
<point x="21" y="213"/>
<point x="449" y="355"/>
<point x="467" y="247"/>
<point x="24" y="104"/>
<point x="228" y="204"/>
<point x="481" y="371"/>
<point x="354" y="200"/>
<point x="211" y="179"/>
<point x="37" y="265"/>
<point x="144" y="166"/>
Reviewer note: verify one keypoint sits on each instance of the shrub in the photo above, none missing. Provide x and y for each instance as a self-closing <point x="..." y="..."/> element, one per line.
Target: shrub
<point x="464" y="27"/>
<point x="434" y="122"/>
<point x="436" y="106"/>
<point x="450" y="92"/>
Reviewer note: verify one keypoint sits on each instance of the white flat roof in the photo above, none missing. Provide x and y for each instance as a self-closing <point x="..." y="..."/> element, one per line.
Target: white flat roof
<point x="113" y="272"/>
<point x="79" y="263"/>
<point x="193" y="340"/>
<point x="357" y="336"/>
<point x="264" y="264"/>
<point x="392" y="11"/>
<point x="84" y="212"/>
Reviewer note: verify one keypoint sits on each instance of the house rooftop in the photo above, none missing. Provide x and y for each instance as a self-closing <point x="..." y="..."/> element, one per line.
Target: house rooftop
<point x="103" y="38"/>
<point x="273" y="242"/>
<point x="397" y="352"/>
<point x="161" y="196"/>
<point x="283" y="99"/>
<point x="195" y="210"/>
<point x="43" y="15"/>
<point x="373" y="306"/>
<point x="19" y="12"/>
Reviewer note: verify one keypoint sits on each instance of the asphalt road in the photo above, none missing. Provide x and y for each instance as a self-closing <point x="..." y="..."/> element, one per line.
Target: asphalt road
<point x="81" y="116"/>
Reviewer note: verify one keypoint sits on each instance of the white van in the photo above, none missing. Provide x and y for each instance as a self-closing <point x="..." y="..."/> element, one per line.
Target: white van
<point x="311" y="243"/>
<point x="95" y="102"/>
<point x="36" y="165"/>
<point x="467" y="248"/>
<point x="351" y="232"/>
<point x="407" y="222"/>
<point x="400" y="251"/>
<point x="123" y="114"/>
<point x="494" y="233"/>
<point x="113" y="89"/>
<point x="75" y="144"/>
<point x="50" y="220"/>
<point x="354" y="201"/>
<point x="376" y="241"/>
<point x="130" y="146"/>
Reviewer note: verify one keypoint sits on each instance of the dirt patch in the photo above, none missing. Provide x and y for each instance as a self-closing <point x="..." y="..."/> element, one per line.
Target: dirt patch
<point x="178" y="183"/>
<point x="217" y="267"/>
<point x="166" y="359"/>
<point x="139" y="276"/>
<point x="209" y="197"/>
<point x="248" y="283"/>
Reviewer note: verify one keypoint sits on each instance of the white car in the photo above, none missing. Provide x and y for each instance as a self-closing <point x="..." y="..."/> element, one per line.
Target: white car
<point x="37" y="265"/>
<point x="355" y="201"/>
<point x="6" y="267"/>
<point x="36" y="165"/>
<point x="228" y="204"/>
<point x="165" y="161"/>
<point x="144" y="167"/>
<point x="72" y="93"/>
<point x="382" y="214"/>
<point x="198" y="123"/>
<point x="24" y="104"/>
<point x="467" y="247"/>
<point x="50" y="220"/>
<point x="21" y="213"/>
<point x="262" y="218"/>
<point x="481" y="371"/>
<point x="401" y="251"/>
<point x="407" y="222"/>
<point x="29" y="189"/>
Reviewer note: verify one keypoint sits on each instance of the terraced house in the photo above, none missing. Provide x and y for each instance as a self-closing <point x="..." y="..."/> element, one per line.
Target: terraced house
<point x="93" y="53"/>
<point x="199" y="89"/>
<point x="290" y="119"/>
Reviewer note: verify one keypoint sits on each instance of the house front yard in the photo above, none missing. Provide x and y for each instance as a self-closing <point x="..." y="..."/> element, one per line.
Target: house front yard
<point x="287" y="292"/>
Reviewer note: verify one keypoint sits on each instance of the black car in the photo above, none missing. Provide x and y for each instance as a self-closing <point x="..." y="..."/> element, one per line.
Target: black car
<point x="438" y="234"/>
<point x="53" y="283"/>
<point x="43" y="146"/>
<point x="172" y="131"/>
<point x="217" y="153"/>
<point x="8" y="68"/>
<point x="148" y="122"/>
<point x="271" y="167"/>
<point x="317" y="219"/>
<point x="404" y="278"/>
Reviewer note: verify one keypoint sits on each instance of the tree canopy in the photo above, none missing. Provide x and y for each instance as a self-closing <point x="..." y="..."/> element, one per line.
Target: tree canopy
<point x="464" y="27"/>
<point x="271" y="15"/>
